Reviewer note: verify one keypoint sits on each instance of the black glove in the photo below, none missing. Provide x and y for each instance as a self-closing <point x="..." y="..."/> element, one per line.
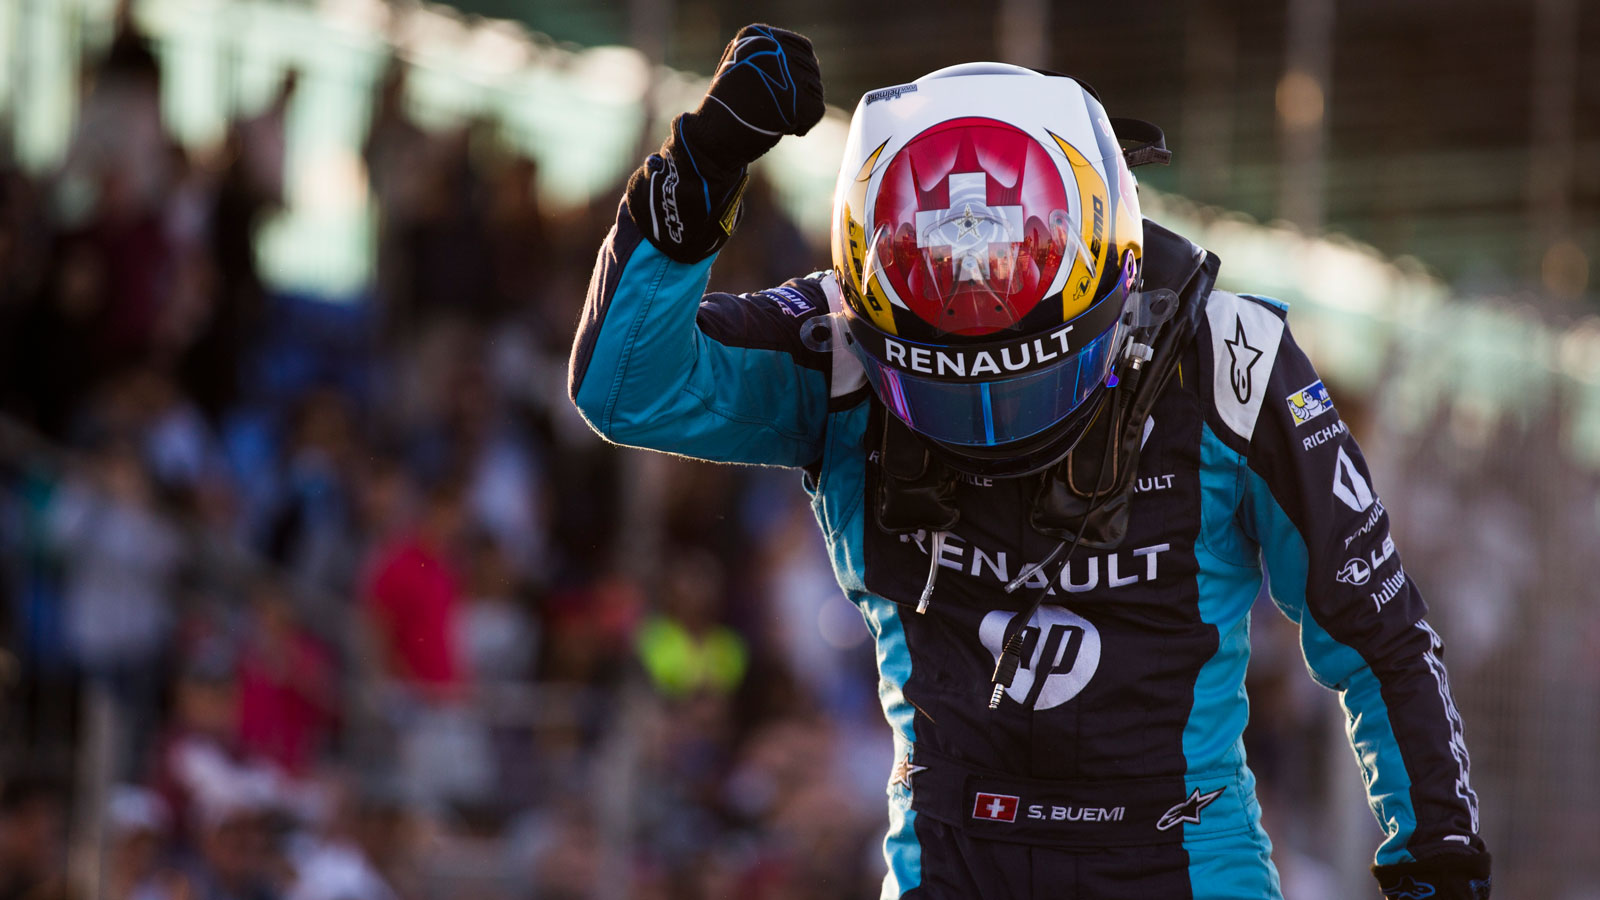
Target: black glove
<point x="1456" y="877"/>
<point x="767" y="85"/>
<point x="685" y="198"/>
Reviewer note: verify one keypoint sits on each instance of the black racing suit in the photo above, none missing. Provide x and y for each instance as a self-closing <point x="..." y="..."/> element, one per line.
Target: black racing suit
<point x="1114" y="766"/>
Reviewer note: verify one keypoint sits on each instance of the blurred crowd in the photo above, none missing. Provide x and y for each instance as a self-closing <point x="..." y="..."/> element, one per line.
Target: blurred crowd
<point x="341" y="599"/>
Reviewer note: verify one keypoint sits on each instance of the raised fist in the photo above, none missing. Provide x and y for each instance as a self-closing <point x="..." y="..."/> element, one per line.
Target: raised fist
<point x="767" y="85"/>
<point x="685" y="197"/>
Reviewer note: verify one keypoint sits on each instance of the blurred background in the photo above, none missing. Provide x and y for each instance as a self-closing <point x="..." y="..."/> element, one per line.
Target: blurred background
<point x="314" y="586"/>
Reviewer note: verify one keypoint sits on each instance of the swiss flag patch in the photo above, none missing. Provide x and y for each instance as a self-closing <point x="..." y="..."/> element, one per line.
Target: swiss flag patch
<point x="995" y="807"/>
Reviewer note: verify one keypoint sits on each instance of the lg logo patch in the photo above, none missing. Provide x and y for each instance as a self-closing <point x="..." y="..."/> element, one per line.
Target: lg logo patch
<point x="1354" y="572"/>
<point x="1060" y="653"/>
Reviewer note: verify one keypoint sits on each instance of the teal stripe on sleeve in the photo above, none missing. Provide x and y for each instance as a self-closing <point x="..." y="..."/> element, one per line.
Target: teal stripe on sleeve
<point x="655" y="380"/>
<point x="1340" y="668"/>
<point x="1213" y="735"/>
<point x="901" y="849"/>
<point x="627" y="311"/>
<point x="837" y="503"/>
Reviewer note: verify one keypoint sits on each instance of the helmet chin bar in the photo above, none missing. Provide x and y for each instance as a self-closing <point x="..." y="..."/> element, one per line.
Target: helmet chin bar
<point x="1145" y="313"/>
<point x="1028" y="456"/>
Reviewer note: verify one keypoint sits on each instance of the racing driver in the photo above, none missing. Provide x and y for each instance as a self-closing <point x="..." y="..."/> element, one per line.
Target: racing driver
<point x="1051" y="462"/>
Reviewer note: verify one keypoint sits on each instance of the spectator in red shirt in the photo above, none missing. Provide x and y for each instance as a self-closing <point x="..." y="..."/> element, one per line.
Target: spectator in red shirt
<point x="414" y="596"/>
<point x="287" y="692"/>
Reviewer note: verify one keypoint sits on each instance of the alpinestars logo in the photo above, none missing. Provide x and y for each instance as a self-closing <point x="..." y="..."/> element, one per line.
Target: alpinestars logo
<point x="1060" y="653"/>
<point x="1188" y="810"/>
<point x="1244" y="359"/>
<point x="904" y="769"/>
<point x="1458" y="740"/>
<point x="669" y="201"/>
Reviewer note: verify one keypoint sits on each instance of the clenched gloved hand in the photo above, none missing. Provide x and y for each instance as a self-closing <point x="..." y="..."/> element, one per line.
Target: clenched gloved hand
<point x="685" y="198"/>
<point x="767" y="85"/>
<point x="1454" y="877"/>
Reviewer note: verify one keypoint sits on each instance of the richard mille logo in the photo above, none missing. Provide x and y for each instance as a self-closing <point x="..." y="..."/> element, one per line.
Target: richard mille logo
<point x="669" y="199"/>
<point x="1244" y="358"/>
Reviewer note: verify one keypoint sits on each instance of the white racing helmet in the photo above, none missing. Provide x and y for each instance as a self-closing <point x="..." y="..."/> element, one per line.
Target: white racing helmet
<point x="987" y="241"/>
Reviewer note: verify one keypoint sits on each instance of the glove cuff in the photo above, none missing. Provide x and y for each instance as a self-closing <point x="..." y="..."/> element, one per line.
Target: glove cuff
<point x="685" y="203"/>
<point x="1458" y="876"/>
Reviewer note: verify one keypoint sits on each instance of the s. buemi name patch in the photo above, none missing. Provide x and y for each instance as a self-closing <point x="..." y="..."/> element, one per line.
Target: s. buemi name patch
<point x="1309" y="402"/>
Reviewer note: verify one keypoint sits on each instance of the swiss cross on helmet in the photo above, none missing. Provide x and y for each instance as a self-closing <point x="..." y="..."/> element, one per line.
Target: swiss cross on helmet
<point x="987" y="241"/>
<point x="969" y="243"/>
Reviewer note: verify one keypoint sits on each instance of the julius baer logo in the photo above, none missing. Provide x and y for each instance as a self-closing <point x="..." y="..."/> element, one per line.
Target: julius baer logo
<point x="1352" y="489"/>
